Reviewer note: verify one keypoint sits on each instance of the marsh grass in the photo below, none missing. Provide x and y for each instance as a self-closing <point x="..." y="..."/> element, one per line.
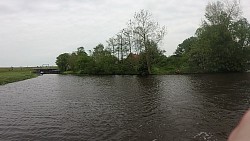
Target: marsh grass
<point x="9" y="75"/>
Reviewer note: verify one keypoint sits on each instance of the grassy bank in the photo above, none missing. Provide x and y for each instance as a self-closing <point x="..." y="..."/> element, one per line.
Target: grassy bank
<point x="9" y="75"/>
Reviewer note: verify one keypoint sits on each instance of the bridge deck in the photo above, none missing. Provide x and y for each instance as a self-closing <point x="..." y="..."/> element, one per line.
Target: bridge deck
<point x="46" y="71"/>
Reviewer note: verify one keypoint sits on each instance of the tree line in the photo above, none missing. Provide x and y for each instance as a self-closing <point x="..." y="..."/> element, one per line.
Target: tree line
<point x="133" y="50"/>
<point x="220" y="44"/>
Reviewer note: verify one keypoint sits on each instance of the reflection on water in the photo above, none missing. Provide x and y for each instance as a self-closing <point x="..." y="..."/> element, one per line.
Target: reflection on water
<point x="176" y="107"/>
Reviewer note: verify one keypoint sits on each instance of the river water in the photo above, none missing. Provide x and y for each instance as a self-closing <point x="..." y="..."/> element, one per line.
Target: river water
<point x="154" y="108"/>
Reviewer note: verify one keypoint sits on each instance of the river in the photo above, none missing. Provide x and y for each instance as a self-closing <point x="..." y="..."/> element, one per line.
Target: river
<point x="98" y="108"/>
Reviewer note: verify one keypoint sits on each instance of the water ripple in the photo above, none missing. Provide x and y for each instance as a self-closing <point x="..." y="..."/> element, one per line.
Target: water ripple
<point x="178" y="107"/>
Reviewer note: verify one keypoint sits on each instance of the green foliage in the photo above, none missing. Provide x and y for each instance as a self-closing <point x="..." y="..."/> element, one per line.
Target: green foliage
<point x="143" y="67"/>
<point x="62" y="61"/>
<point x="101" y="61"/>
<point x="121" y="56"/>
<point x="185" y="46"/>
<point x="83" y="63"/>
<point x="72" y="61"/>
<point x="222" y="42"/>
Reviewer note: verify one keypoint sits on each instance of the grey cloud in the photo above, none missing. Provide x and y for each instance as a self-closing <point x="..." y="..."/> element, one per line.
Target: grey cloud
<point x="36" y="31"/>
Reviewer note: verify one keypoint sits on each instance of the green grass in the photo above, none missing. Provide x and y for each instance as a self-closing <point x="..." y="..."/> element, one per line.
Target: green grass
<point x="9" y="75"/>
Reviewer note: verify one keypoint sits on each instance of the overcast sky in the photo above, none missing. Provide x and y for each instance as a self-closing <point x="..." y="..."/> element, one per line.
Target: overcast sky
<point x="35" y="32"/>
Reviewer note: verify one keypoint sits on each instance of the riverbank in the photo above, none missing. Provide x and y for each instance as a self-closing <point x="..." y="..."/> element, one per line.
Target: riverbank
<point x="9" y="75"/>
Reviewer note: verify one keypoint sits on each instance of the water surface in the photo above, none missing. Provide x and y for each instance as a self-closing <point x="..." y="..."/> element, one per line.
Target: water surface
<point x="155" y="108"/>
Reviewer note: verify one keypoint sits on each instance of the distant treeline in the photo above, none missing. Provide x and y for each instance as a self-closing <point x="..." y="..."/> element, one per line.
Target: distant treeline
<point x="220" y="44"/>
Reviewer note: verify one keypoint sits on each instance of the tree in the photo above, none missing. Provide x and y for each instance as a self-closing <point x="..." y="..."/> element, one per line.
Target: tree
<point x="120" y="44"/>
<point x="105" y="62"/>
<point x="81" y="51"/>
<point x="225" y="12"/>
<point x="98" y="52"/>
<point x="222" y="40"/>
<point x="241" y="33"/>
<point x="112" y="44"/>
<point x="148" y="31"/>
<point x="128" y="35"/>
<point x="185" y="46"/>
<point x="83" y="61"/>
<point x="85" y="64"/>
<point x="62" y="61"/>
<point x="73" y="62"/>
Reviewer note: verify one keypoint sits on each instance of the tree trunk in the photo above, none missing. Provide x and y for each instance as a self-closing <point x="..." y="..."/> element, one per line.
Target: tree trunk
<point x="113" y="50"/>
<point x="118" y="51"/>
<point x="147" y="54"/>
<point x="130" y="50"/>
<point x="121" y="48"/>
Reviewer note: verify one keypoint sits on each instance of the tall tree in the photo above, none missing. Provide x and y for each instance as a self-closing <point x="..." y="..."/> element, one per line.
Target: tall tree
<point x="121" y="43"/>
<point x="112" y="44"/>
<point x="148" y="31"/>
<point x="222" y="38"/>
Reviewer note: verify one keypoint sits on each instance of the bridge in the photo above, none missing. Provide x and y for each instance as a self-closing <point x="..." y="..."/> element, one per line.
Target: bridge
<point x="46" y="69"/>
